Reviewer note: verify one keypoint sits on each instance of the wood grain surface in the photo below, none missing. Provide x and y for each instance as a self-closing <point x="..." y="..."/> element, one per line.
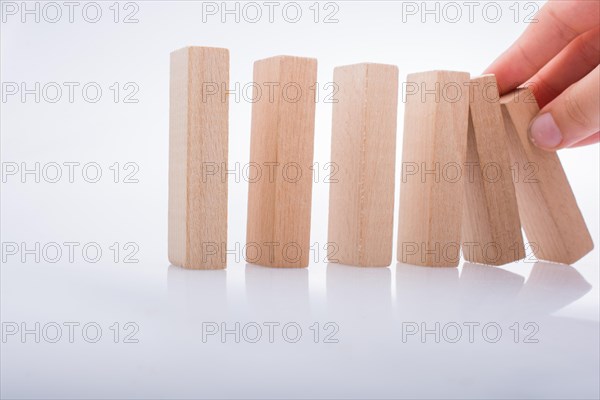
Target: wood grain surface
<point x="434" y="146"/>
<point x="198" y="135"/>
<point x="553" y="224"/>
<point x="363" y="151"/>
<point x="279" y="201"/>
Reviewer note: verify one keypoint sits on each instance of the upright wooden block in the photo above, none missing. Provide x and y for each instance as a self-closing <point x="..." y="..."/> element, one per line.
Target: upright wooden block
<point x="491" y="231"/>
<point x="281" y="149"/>
<point x="363" y="149"/>
<point x="554" y="226"/>
<point x="197" y="147"/>
<point x="434" y="150"/>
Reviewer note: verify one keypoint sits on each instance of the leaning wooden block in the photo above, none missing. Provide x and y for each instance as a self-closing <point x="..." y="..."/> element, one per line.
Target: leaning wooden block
<point x="554" y="226"/>
<point x="197" y="148"/>
<point x="363" y="149"/>
<point x="281" y="152"/>
<point x="434" y="149"/>
<point x="491" y="231"/>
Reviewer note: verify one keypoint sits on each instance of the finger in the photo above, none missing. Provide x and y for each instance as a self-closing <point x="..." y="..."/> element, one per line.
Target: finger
<point x="558" y="22"/>
<point x="571" y="117"/>
<point x="595" y="138"/>
<point x="574" y="62"/>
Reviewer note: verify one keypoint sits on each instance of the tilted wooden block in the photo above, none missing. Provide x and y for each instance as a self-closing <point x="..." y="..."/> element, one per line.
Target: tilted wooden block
<point x="281" y="149"/>
<point x="491" y="230"/>
<point x="553" y="223"/>
<point x="434" y="149"/>
<point x="363" y="150"/>
<point x="197" y="148"/>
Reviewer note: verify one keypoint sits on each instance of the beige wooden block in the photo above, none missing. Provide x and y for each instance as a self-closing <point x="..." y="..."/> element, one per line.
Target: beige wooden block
<point x="197" y="147"/>
<point x="279" y="202"/>
<point x="491" y="230"/>
<point x="434" y="150"/>
<point x="555" y="228"/>
<point x="363" y="150"/>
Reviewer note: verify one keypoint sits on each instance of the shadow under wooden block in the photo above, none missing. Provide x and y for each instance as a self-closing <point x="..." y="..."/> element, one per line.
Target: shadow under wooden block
<point x="435" y="139"/>
<point x="279" y="201"/>
<point x="363" y="295"/>
<point x="489" y="292"/>
<point x="363" y="151"/>
<point x="198" y="129"/>
<point x="197" y="292"/>
<point x="277" y="293"/>
<point x="551" y="287"/>
<point x="426" y="293"/>
<point x="555" y="228"/>
<point x="491" y="230"/>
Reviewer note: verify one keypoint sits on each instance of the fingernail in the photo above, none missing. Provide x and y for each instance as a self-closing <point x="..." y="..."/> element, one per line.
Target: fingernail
<point x="544" y="133"/>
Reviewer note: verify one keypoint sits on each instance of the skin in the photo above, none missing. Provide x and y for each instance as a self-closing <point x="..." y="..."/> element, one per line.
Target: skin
<point x="558" y="57"/>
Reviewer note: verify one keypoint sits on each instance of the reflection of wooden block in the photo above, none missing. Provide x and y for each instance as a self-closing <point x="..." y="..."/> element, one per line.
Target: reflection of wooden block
<point x="198" y="138"/>
<point x="434" y="149"/>
<point x="363" y="149"/>
<point x="283" y="118"/>
<point x="491" y="232"/>
<point x="554" y="226"/>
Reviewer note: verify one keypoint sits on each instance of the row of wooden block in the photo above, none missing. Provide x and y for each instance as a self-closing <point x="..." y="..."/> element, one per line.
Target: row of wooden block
<point x="451" y="122"/>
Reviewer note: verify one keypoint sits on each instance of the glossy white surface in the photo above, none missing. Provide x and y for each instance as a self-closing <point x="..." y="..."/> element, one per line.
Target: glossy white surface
<point x="373" y="311"/>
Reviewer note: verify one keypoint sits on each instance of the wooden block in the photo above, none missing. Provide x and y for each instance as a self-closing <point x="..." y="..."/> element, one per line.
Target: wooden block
<point x="434" y="148"/>
<point x="198" y="145"/>
<point x="363" y="149"/>
<point x="491" y="231"/>
<point x="554" y="226"/>
<point x="281" y="148"/>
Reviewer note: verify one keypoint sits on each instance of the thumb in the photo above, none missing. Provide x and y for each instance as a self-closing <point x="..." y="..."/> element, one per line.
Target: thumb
<point x="571" y="117"/>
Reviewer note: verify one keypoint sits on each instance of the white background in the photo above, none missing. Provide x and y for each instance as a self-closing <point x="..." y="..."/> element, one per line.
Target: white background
<point x="169" y="305"/>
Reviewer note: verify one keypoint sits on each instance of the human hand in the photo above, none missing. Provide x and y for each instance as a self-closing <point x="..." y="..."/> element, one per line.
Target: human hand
<point x="557" y="58"/>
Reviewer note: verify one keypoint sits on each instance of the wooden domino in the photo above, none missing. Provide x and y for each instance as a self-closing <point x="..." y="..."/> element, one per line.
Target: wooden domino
<point x="491" y="230"/>
<point x="470" y="175"/>
<point x="363" y="152"/>
<point x="553" y="224"/>
<point x="434" y="150"/>
<point x="281" y="150"/>
<point x="197" y="148"/>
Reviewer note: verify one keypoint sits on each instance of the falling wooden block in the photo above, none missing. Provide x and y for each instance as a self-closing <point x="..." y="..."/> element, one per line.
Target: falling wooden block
<point x="434" y="150"/>
<point x="281" y="154"/>
<point x="554" y="226"/>
<point x="197" y="148"/>
<point x="363" y="150"/>
<point x="491" y="230"/>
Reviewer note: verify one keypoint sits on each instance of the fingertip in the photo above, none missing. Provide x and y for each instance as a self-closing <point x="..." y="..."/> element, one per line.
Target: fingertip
<point x="501" y="81"/>
<point x="545" y="133"/>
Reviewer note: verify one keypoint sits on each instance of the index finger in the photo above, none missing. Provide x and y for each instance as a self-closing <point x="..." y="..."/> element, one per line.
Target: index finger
<point x="558" y="23"/>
